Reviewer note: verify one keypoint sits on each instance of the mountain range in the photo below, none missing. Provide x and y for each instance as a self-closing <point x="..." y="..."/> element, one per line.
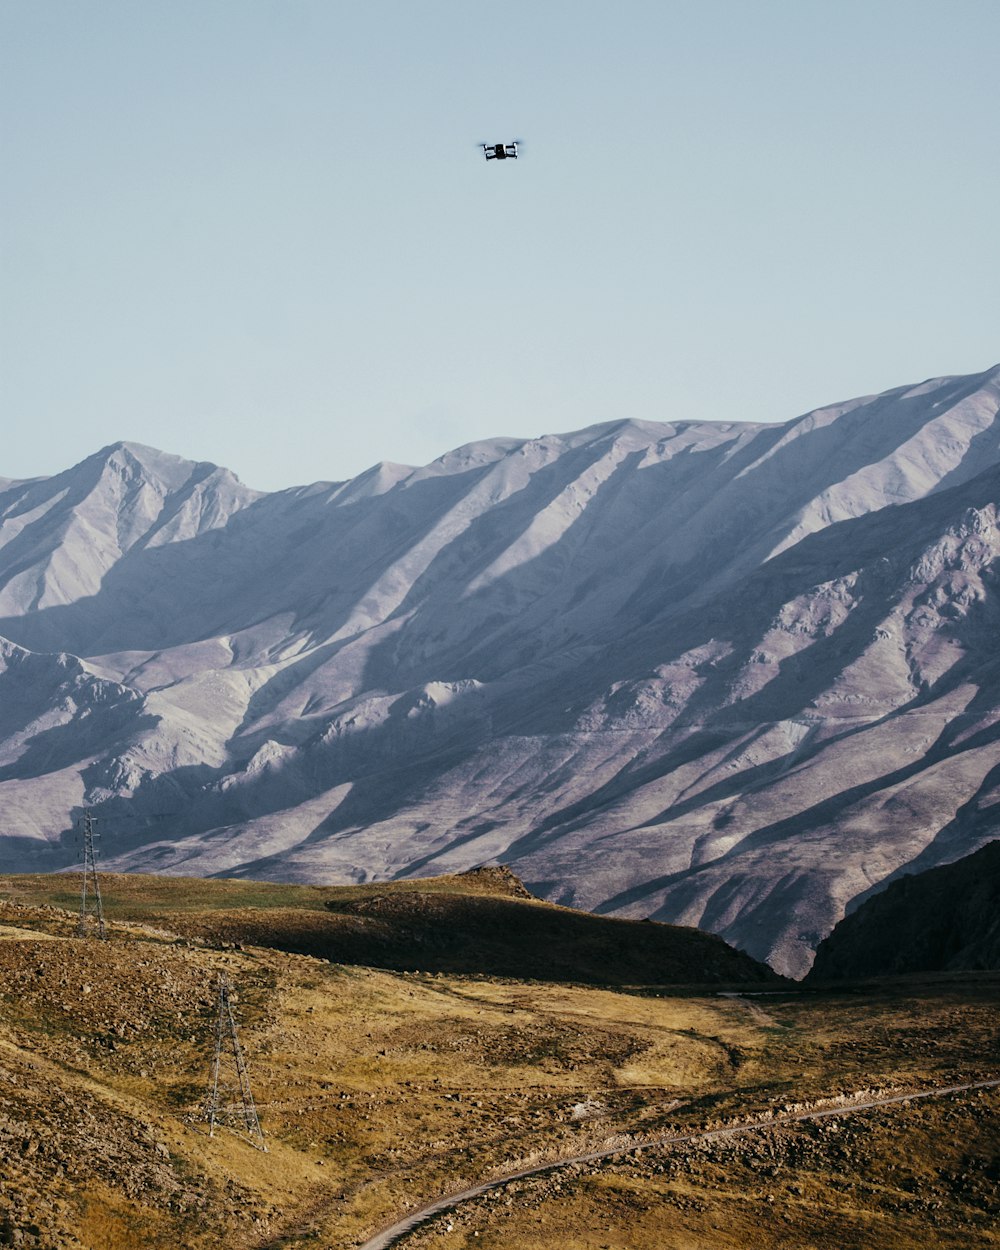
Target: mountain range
<point x="730" y="675"/>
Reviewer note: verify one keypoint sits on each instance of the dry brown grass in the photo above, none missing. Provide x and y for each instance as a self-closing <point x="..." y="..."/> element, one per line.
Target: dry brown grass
<point x="483" y="922"/>
<point x="135" y="896"/>
<point x="380" y="1089"/>
<point x="900" y="1178"/>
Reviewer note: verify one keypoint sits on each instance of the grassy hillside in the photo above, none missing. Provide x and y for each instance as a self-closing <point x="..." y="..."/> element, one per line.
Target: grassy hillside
<point x="483" y="921"/>
<point x="380" y="1089"/>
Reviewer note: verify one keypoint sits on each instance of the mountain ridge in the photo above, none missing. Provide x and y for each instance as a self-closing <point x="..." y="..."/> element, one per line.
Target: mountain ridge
<point x="688" y="670"/>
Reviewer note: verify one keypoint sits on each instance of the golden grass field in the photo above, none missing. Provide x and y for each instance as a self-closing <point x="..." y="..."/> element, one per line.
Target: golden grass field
<point x="379" y="1090"/>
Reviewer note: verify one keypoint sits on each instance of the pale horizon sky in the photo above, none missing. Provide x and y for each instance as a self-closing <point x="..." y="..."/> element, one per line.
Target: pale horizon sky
<point x="259" y="232"/>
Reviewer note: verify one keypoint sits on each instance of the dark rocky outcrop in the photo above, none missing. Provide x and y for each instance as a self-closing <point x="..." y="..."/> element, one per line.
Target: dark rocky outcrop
<point x="945" y="919"/>
<point x="494" y="879"/>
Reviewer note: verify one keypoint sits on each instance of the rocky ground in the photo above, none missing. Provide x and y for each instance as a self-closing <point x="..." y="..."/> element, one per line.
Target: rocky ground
<point x="381" y="1090"/>
<point x="93" y="1039"/>
<point x="912" y="1176"/>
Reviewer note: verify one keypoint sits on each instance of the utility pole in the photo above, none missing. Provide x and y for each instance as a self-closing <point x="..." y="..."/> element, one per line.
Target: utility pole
<point x="228" y="1055"/>
<point x="90" y="877"/>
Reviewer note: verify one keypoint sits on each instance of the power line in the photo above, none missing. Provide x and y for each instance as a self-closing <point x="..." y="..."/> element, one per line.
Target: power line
<point x="92" y="902"/>
<point x="90" y="892"/>
<point x="230" y="1100"/>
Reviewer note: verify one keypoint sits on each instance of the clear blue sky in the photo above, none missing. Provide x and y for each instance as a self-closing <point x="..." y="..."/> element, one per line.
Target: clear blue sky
<point x="259" y="232"/>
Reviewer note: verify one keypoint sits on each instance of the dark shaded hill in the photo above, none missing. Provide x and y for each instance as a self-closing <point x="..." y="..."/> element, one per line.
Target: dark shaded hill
<point x="514" y="937"/>
<point x="482" y="922"/>
<point x="945" y="919"/>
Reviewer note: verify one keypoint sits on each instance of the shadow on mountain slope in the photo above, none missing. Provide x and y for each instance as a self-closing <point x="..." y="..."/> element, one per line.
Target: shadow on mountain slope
<point x="945" y="919"/>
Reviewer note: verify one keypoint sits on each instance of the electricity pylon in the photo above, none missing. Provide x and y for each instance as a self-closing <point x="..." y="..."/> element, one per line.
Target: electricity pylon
<point x="229" y="1098"/>
<point x="90" y="895"/>
<point x="93" y="903"/>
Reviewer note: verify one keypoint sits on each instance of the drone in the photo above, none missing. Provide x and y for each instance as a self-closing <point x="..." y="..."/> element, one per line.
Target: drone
<point x="500" y="151"/>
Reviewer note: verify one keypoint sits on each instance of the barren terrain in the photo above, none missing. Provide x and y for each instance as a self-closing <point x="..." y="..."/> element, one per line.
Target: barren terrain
<point x="720" y="674"/>
<point x="380" y="1090"/>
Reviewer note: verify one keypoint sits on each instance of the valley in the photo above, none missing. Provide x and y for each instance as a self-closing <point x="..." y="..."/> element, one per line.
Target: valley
<point x="380" y="1090"/>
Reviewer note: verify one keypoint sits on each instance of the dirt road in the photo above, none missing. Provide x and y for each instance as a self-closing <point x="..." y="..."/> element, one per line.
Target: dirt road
<point x="623" y="1145"/>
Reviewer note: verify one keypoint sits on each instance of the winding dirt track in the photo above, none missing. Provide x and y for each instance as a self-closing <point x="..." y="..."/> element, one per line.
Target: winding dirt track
<point x="390" y="1236"/>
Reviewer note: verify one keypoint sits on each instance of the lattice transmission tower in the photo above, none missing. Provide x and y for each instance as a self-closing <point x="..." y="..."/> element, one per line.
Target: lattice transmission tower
<point x="90" y="893"/>
<point x="229" y="1098"/>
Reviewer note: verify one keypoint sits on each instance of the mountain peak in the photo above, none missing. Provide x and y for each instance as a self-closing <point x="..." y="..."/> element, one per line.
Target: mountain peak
<point x="718" y="673"/>
<point x="130" y="459"/>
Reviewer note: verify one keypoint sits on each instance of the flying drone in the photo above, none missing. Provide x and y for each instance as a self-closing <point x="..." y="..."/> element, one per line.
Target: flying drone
<point x="500" y="151"/>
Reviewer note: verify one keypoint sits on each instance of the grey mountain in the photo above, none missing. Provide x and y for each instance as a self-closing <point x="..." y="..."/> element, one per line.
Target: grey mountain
<point x="723" y="674"/>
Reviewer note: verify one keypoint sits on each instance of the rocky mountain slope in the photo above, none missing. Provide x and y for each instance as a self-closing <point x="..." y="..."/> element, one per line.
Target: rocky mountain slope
<point x="944" y="919"/>
<point x="726" y="675"/>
